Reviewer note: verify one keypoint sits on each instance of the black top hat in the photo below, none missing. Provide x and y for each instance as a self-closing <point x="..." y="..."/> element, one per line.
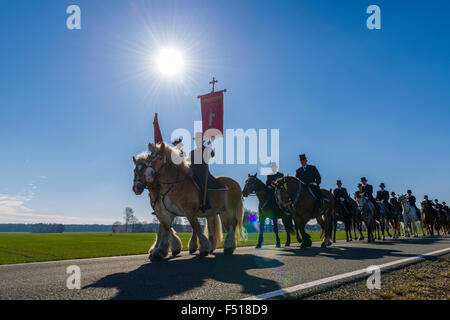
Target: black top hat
<point x="339" y="182"/>
<point x="409" y="191"/>
<point x="436" y="200"/>
<point x="177" y="141"/>
<point x="363" y="179"/>
<point x="393" y="193"/>
<point x="425" y="196"/>
<point x="302" y="156"/>
<point x="382" y="185"/>
<point x="444" y="203"/>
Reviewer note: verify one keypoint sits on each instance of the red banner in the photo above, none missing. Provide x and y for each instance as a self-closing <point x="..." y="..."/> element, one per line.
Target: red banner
<point x="157" y="130"/>
<point x="212" y="114"/>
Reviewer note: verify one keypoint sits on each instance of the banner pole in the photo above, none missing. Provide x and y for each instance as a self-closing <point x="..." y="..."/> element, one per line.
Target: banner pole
<point x="206" y="182"/>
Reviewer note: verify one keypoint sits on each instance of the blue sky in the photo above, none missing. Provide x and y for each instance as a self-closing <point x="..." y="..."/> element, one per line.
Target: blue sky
<point x="76" y="105"/>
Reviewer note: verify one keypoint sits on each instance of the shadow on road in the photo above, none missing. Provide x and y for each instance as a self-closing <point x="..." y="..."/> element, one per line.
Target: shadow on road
<point x="371" y="251"/>
<point x="169" y="278"/>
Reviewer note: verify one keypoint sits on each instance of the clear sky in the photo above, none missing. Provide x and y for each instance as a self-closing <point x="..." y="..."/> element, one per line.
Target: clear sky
<point x="76" y="105"/>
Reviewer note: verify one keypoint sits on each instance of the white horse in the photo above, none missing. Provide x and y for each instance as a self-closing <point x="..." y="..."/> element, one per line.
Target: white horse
<point x="367" y="210"/>
<point x="410" y="214"/>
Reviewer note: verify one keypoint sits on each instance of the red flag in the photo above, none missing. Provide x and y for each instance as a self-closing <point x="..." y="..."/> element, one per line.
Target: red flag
<point x="212" y="114"/>
<point x="157" y="130"/>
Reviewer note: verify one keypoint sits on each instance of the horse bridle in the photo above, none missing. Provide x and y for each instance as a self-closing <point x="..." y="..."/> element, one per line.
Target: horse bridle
<point x="292" y="202"/>
<point x="157" y="182"/>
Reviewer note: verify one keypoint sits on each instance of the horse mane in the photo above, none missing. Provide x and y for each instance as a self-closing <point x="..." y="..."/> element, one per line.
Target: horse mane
<point x="142" y="156"/>
<point x="184" y="166"/>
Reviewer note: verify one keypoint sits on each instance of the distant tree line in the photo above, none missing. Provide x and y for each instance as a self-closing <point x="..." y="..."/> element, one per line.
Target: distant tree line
<point x="47" y="228"/>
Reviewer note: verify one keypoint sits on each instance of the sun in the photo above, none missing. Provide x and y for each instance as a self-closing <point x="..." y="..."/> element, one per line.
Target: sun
<point x="170" y="62"/>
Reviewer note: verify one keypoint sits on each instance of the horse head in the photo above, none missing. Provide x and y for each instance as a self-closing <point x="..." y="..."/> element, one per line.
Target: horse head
<point x="282" y="191"/>
<point x="143" y="173"/>
<point x="250" y="185"/>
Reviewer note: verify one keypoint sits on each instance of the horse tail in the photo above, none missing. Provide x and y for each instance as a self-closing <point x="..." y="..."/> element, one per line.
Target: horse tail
<point x="217" y="227"/>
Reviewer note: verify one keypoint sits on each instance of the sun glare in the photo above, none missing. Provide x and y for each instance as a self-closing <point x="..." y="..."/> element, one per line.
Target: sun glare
<point x="170" y="62"/>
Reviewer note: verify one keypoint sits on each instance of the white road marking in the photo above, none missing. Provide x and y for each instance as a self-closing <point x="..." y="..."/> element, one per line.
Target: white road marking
<point x="311" y="284"/>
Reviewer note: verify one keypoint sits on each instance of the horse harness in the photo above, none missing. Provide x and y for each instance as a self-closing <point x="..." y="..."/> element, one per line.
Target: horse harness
<point x="157" y="185"/>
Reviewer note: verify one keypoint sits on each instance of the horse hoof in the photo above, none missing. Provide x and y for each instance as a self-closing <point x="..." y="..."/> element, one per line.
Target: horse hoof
<point x="155" y="257"/>
<point x="228" y="251"/>
<point x="175" y="253"/>
<point x="258" y="246"/>
<point x="287" y="245"/>
<point x="192" y="251"/>
<point x="203" y="253"/>
<point x="323" y="245"/>
<point x="278" y="245"/>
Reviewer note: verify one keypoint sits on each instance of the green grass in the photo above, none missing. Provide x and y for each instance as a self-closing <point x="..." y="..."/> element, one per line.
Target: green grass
<point x="30" y="247"/>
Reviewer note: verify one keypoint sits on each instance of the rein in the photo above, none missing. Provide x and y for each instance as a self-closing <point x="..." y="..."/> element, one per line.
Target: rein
<point x="157" y="184"/>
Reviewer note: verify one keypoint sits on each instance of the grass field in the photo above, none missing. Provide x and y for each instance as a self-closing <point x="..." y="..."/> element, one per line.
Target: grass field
<point x="31" y="247"/>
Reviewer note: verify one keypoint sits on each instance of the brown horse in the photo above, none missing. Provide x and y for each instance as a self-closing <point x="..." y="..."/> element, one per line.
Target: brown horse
<point x="296" y="196"/>
<point x="173" y="192"/>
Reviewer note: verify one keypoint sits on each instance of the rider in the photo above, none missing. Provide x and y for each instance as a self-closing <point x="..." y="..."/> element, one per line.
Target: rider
<point x="412" y="200"/>
<point x="310" y="175"/>
<point x="438" y="206"/>
<point x="383" y="196"/>
<point x="200" y="157"/>
<point x="395" y="203"/>
<point x="274" y="176"/>
<point x="367" y="190"/>
<point x="341" y="194"/>
<point x="445" y="208"/>
<point x="427" y="202"/>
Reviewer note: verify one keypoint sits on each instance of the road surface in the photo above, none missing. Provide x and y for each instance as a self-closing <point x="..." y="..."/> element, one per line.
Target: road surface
<point x="250" y="273"/>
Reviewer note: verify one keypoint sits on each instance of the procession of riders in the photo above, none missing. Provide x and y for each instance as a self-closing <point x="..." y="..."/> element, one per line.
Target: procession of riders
<point x="186" y="188"/>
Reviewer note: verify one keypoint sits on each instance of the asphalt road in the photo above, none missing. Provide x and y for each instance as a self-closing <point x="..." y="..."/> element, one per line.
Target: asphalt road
<point x="247" y="273"/>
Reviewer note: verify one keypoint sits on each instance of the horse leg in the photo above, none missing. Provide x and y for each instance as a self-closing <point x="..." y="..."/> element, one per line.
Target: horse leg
<point x="334" y="230"/>
<point x="405" y="224"/>
<point x="275" y="229"/>
<point x="287" y="223"/>
<point x="297" y="234"/>
<point x="175" y="243"/>
<point x="161" y="251"/>
<point x="261" y="231"/>
<point x="306" y="238"/>
<point x="193" y="245"/>
<point x="213" y="223"/>
<point x="349" y="229"/>
<point x="421" y="224"/>
<point x="205" y="246"/>
<point x="387" y="228"/>
<point x="156" y="243"/>
<point x="416" y="229"/>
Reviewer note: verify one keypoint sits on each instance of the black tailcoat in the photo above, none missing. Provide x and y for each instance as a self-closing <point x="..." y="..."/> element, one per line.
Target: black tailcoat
<point x="309" y="174"/>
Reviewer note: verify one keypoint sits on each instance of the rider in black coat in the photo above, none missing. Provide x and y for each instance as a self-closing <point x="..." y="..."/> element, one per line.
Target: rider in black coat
<point x="383" y="196"/>
<point x="395" y="204"/>
<point x="367" y="190"/>
<point x="310" y="175"/>
<point x="341" y="193"/>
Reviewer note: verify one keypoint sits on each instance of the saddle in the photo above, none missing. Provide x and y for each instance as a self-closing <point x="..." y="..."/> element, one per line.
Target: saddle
<point x="213" y="182"/>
